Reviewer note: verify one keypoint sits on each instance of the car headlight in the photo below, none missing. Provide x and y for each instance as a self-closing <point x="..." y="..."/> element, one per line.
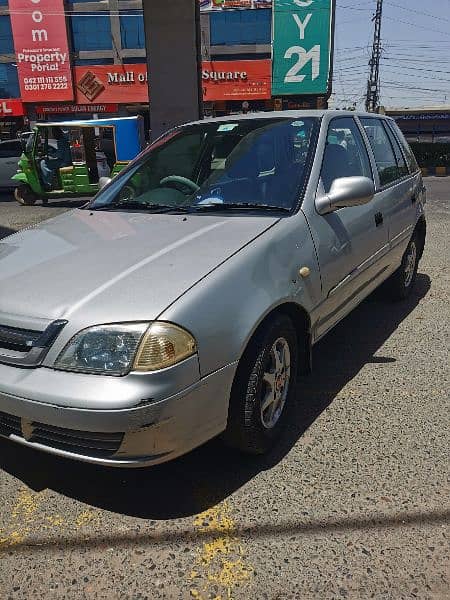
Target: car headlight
<point x="119" y="349"/>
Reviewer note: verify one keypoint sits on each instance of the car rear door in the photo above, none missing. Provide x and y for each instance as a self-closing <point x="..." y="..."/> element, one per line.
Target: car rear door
<point x="350" y="242"/>
<point x="10" y="153"/>
<point x="398" y="186"/>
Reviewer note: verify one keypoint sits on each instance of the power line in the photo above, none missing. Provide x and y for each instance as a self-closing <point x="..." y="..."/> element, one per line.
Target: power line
<point x="419" y="12"/>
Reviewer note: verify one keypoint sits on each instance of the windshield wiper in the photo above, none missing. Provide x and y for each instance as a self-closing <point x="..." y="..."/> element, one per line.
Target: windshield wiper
<point x="238" y="206"/>
<point x="134" y="205"/>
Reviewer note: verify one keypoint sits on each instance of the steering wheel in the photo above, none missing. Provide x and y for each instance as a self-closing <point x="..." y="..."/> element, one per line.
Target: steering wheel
<point x="181" y="181"/>
<point x="127" y="194"/>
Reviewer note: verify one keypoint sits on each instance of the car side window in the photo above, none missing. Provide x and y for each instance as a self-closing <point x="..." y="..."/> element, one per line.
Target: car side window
<point x="345" y="153"/>
<point x="410" y="158"/>
<point x="11" y="149"/>
<point x="401" y="162"/>
<point x="385" y="158"/>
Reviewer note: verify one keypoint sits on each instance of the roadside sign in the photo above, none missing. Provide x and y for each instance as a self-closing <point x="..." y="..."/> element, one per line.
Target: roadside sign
<point x="302" y="46"/>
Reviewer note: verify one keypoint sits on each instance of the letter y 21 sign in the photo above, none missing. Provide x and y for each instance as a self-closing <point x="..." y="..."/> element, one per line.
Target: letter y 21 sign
<point x="42" y="51"/>
<point x="302" y="42"/>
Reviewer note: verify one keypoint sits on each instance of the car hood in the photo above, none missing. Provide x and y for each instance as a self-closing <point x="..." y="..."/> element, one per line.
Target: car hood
<point x="112" y="267"/>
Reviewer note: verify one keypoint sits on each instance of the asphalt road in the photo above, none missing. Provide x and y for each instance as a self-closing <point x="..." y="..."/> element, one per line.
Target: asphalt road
<point x="353" y="504"/>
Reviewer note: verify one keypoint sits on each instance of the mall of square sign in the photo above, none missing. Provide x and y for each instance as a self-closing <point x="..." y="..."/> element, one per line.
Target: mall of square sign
<point x="302" y="46"/>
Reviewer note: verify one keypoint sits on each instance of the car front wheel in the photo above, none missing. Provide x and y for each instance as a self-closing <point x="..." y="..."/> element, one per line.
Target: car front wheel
<point x="263" y="392"/>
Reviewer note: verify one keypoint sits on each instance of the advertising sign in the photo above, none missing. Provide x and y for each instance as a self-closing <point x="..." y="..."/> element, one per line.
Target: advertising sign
<point x="123" y="84"/>
<point x="302" y="42"/>
<point x="11" y="108"/>
<point x="127" y="84"/>
<point x="236" y="80"/>
<point x="70" y="109"/>
<point x="213" y="5"/>
<point x="40" y="41"/>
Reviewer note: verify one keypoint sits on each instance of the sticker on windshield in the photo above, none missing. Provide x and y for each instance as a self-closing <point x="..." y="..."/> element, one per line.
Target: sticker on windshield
<point x="297" y="124"/>
<point x="227" y="127"/>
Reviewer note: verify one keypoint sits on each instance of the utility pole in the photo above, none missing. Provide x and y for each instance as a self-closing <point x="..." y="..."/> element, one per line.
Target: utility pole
<point x="373" y="84"/>
<point x="174" y="63"/>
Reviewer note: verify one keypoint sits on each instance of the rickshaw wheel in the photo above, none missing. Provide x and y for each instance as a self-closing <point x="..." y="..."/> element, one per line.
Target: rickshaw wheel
<point x="24" y="195"/>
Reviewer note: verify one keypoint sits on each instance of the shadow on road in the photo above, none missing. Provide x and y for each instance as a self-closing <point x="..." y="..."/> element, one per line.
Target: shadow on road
<point x="4" y="231"/>
<point x="258" y="531"/>
<point x="209" y="474"/>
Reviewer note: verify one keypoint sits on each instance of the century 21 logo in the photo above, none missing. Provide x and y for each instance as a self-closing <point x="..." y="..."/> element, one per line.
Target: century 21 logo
<point x="304" y="56"/>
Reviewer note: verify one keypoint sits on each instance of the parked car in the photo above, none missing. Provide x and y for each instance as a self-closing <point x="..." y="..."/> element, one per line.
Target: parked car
<point x="183" y="301"/>
<point x="10" y="152"/>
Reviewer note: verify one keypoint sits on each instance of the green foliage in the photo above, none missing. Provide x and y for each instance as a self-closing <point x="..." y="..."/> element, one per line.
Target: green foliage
<point x="431" y="155"/>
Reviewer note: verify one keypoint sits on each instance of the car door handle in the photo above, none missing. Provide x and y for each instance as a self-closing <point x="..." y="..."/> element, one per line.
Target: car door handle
<point x="378" y="219"/>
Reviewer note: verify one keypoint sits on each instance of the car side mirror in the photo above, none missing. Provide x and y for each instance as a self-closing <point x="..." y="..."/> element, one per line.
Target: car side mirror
<point x="344" y="192"/>
<point x="103" y="181"/>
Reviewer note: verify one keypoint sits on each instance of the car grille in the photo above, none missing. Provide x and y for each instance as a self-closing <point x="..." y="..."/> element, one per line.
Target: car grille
<point x="10" y="425"/>
<point x="84" y="443"/>
<point x="18" y="340"/>
<point x="25" y="347"/>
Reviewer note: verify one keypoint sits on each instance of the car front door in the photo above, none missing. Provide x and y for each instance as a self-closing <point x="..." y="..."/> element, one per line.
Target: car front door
<point x="350" y="242"/>
<point x="10" y="153"/>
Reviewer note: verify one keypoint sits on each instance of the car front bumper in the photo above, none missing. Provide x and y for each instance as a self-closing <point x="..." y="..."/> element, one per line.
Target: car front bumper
<point x="151" y="432"/>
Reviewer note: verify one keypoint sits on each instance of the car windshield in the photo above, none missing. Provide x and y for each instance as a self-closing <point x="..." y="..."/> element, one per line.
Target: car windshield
<point x="258" y="164"/>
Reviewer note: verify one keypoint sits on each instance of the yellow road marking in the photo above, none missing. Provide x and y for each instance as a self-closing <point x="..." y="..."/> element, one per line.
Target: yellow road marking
<point x="25" y="519"/>
<point x="23" y="513"/>
<point x="221" y="562"/>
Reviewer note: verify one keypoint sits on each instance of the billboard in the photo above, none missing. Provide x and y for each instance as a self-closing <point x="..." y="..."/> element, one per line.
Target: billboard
<point x="42" y="51"/>
<point x="128" y="84"/>
<point x="214" y="5"/>
<point x="302" y="45"/>
<point x="119" y="84"/>
<point x="236" y="80"/>
<point x="11" y="108"/>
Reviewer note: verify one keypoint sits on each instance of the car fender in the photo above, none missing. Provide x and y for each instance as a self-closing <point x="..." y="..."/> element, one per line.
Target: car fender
<point x="226" y="307"/>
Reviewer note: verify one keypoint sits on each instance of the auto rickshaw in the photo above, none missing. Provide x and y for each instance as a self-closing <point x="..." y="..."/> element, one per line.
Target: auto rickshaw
<point x="70" y="158"/>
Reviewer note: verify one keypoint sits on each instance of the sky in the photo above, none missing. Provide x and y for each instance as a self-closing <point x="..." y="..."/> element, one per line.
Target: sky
<point x="415" y="65"/>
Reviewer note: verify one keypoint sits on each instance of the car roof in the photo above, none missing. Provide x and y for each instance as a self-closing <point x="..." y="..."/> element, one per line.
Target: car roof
<point x="288" y="114"/>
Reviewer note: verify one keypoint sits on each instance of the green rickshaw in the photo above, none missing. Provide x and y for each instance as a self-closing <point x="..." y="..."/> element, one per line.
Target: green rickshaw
<point x="72" y="158"/>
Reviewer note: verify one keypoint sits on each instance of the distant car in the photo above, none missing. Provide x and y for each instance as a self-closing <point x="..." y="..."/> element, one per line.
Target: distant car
<point x="10" y="152"/>
<point x="184" y="300"/>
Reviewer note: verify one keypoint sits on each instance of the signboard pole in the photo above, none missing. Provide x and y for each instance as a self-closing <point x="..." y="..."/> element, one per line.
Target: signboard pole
<point x="173" y="50"/>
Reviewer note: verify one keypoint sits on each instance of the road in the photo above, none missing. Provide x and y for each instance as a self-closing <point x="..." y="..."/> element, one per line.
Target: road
<point x="353" y="504"/>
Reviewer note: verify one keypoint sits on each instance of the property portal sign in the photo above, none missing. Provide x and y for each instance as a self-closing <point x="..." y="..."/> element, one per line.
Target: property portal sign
<point x="302" y="42"/>
<point x="42" y="51"/>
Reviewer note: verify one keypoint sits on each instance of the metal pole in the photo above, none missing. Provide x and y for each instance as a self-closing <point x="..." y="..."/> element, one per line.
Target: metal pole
<point x="373" y="84"/>
<point x="174" y="65"/>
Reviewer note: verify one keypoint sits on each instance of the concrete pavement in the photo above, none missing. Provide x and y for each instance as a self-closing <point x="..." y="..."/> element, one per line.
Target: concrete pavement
<point x="353" y="504"/>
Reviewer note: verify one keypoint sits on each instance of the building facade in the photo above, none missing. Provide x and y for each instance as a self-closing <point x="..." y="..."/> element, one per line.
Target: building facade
<point x="91" y="59"/>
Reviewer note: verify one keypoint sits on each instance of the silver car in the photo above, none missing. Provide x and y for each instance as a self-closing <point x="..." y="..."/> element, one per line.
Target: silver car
<point x="184" y="300"/>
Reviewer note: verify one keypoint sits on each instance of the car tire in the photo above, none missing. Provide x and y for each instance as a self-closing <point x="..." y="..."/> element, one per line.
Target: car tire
<point x="254" y="425"/>
<point x="400" y="284"/>
<point x="25" y="195"/>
